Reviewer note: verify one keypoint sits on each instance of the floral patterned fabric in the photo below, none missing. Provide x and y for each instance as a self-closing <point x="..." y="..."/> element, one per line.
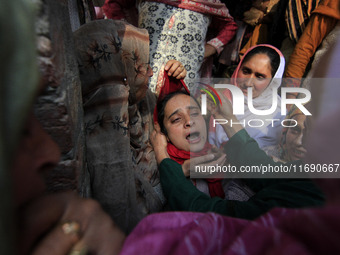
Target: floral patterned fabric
<point x="161" y="18"/>
<point x="175" y="33"/>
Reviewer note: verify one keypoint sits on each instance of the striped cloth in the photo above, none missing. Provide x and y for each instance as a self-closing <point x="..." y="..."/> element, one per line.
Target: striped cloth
<point x="298" y="13"/>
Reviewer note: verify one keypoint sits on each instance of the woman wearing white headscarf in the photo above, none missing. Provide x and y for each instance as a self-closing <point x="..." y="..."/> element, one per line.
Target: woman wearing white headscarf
<point x="259" y="72"/>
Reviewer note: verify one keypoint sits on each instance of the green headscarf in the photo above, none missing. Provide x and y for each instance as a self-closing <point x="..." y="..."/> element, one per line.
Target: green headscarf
<point x="18" y="85"/>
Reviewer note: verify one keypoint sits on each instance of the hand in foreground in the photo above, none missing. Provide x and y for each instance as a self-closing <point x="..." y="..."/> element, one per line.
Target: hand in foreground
<point x="215" y="157"/>
<point x="64" y="223"/>
<point x="175" y="69"/>
<point x="159" y="144"/>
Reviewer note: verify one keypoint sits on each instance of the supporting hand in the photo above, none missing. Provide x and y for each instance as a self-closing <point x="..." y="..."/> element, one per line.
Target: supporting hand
<point x="159" y="143"/>
<point x="215" y="157"/>
<point x="175" y="69"/>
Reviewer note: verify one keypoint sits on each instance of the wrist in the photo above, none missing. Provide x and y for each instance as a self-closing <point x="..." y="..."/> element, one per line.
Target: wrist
<point x="232" y="127"/>
<point x="161" y="154"/>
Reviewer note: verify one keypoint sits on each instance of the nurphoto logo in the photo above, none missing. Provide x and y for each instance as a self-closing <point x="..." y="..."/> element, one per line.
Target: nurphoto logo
<point x="238" y="104"/>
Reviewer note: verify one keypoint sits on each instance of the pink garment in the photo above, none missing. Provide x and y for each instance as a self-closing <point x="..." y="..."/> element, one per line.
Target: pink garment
<point x="281" y="231"/>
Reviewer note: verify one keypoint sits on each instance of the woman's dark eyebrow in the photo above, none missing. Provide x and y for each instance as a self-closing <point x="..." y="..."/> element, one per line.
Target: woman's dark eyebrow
<point x="191" y="107"/>
<point x="173" y="113"/>
<point x="246" y="68"/>
<point x="257" y="73"/>
<point x="260" y="74"/>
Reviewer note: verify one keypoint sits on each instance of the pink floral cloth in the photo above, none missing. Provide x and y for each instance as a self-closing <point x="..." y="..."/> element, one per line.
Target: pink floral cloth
<point x="281" y="231"/>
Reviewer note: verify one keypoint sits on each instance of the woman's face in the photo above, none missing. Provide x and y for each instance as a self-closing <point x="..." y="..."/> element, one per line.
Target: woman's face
<point x="255" y="74"/>
<point x="185" y="124"/>
<point x="37" y="154"/>
<point x="294" y="139"/>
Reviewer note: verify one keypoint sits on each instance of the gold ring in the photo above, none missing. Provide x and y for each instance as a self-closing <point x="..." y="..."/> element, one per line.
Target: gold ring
<point x="70" y="227"/>
<point x="79" y="249"/>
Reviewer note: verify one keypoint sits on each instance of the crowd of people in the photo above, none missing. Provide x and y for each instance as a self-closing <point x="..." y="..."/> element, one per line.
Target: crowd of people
<point x="143" y="86"/>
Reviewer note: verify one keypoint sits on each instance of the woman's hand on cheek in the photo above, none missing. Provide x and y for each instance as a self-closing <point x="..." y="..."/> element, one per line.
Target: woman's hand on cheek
<point x="61" y="223"/>
<point x="189" y="164"/>
<point x="159" y="144"/>
<point x="215" y="157"/>
<point x="175" y="69"/>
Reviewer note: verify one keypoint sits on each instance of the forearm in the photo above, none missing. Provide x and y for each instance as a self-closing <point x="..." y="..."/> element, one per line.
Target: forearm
<point x="242" y="150"/>
<point x="224" y="30"/>
<point x="161" y="155"/>
<point x="182" y="195"/>
<point x="232" y="127"/>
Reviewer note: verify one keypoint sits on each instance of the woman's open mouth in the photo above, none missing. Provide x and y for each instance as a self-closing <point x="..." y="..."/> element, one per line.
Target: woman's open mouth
<point x="193" y="137"/>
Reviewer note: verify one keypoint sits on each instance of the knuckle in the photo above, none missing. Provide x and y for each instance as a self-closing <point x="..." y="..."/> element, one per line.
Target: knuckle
<point x="91" y="206"/>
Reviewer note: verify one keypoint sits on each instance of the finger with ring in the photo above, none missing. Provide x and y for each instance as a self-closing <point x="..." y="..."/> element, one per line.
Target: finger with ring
<point x="71" y="227"/>
<point x="79" y="249"/>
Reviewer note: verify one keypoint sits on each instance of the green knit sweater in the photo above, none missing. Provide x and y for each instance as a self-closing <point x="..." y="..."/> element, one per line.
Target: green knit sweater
<point x="241" y="149"/>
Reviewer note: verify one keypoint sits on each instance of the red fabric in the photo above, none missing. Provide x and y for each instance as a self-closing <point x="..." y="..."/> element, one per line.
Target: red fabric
<point x="214" y="184"/>
<point x="170" y="85"/>
<point x="180" y="155"/>
<point x="221" y="30"/>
